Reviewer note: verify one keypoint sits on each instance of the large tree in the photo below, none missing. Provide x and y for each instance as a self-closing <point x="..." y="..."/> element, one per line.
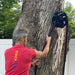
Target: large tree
<point x="36" y="16"/>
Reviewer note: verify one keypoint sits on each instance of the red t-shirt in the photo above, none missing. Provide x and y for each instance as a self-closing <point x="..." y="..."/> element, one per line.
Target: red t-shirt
<point x="18" y="60"/>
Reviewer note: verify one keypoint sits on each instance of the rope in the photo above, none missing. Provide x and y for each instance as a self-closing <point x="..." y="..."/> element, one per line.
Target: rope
<point x="65" y="51"/>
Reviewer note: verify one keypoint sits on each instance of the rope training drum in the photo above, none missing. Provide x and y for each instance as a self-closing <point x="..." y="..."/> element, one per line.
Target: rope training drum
<point x="60" y="20"/>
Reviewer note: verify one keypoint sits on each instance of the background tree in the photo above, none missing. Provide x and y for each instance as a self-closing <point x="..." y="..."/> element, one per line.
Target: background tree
<point x="36" y="16"/>
<point x="9" y="14"/>
<point x="70" y="11"/>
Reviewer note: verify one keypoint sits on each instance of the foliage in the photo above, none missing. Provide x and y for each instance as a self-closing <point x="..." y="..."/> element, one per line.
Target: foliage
<point x="70" y="11"/>
<point x="9" y="14"/>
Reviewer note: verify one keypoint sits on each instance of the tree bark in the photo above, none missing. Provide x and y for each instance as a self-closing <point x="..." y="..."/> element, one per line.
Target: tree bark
<point x="36" y="16"/>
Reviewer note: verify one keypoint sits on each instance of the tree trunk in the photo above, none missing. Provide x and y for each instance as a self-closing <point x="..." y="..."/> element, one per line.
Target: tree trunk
<point x="36" y="16"/>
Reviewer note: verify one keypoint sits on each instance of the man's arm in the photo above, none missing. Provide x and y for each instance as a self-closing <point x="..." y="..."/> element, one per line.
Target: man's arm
<point x="40" y="54"/>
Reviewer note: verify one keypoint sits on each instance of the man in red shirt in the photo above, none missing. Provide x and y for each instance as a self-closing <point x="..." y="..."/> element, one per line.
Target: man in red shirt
<point x="18" y="58"/>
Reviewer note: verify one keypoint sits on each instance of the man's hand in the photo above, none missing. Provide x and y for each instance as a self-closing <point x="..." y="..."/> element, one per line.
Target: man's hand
<point x="48" y="39"/>
<point x="36" y="62"/>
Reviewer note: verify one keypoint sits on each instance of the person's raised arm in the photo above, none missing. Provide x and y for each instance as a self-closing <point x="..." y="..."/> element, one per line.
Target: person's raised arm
<point x="41" y="54"/>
